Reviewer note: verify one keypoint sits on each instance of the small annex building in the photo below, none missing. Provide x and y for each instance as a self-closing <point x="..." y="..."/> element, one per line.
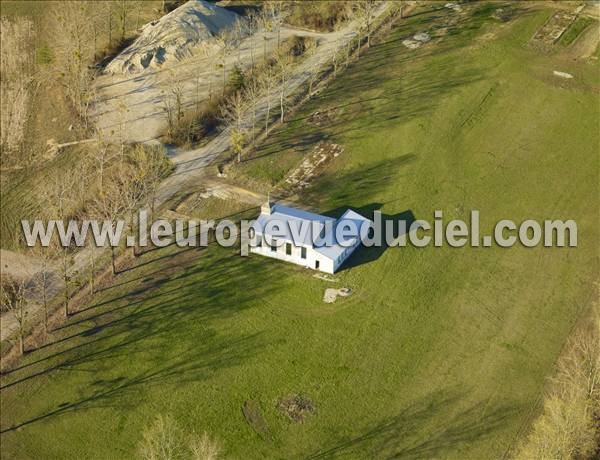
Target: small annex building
<point x="305" y="238"/>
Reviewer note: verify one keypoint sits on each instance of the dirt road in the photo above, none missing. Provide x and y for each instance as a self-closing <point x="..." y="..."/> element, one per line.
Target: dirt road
<point x="190" y="164"/>
<point x="131" y="108"/>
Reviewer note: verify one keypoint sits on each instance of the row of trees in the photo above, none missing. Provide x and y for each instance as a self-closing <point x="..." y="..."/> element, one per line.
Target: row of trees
<point x="568" y="427"/>
<point x="55" y="53"/>
<point x="274" y="74"/>
<point x="108" y="186"/>
<point x="83" y="32"/>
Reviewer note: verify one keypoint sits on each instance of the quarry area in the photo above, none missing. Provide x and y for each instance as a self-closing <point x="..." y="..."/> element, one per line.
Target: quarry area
<point x="186" y="56"/>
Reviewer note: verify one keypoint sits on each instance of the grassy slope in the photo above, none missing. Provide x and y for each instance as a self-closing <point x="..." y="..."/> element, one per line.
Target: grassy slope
<point x="439" y="352"/>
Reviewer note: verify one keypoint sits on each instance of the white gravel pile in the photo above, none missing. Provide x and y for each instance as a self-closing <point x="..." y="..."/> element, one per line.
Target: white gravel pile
<point x="172" y="37"/>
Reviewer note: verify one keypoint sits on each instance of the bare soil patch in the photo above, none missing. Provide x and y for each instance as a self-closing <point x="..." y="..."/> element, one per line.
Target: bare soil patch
<point x="255" y="419"/>
<point x="313" y="164"/>
<point x="296" y="407"/>
<point x="323" y="117"/>
<point x="331" y="295"/>
<point x="553" y="29"/>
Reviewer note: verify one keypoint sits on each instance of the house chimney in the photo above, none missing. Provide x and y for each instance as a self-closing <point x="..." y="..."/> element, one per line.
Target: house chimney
<point x="267" y="207"/>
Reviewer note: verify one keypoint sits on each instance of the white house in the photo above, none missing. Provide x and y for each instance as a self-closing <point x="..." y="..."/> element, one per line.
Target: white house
<point x="304" y="238"/>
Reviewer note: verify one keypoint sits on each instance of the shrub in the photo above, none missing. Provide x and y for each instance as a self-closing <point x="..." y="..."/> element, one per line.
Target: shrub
<point x="568" y="426"/>
<point x="237" y="79"/>
<point x="322" y="16"/>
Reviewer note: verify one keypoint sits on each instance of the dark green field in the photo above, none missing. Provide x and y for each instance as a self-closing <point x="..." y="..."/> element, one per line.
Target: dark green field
<point x="439" y="352"/>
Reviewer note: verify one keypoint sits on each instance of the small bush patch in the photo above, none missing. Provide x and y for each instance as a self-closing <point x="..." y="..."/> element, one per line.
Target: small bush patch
<point x="296" y="407"/>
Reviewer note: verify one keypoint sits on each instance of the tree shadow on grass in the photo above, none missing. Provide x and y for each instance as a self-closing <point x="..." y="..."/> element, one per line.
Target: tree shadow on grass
<point x="358" y="186"/>
<point x="432" y="427"/>
<point x="166" y="336"/>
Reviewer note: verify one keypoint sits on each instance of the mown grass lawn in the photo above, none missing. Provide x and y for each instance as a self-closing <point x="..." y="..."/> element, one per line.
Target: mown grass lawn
<point x="439" y="352"/>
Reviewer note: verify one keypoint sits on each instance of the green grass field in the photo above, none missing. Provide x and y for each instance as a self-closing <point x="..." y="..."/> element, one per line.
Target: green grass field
<point x="439" y="352"/>
<point x="575" y="30"/>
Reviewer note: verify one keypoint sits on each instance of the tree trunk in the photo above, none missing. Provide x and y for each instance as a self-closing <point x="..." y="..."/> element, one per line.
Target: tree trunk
<point x="92" y="270"/>
<point x="267" y="115"/>
<point x="66" y="282"/>
<point x="253" y="122"/>
<point x="45" y="301"/>
<point x="223" y="77"/>
<point x="348" y="48"/>
<point x="265" y="47"/>
<point x="112" y="260"/>
<point x="278" y="36"/>
<point x="132" y="231"/>
<point x="152" y="203"/>
<point x="21" y="342"/>
<point x="109" y="25"/>
<point x="123" y="20"/>
<point x="281" y="101"/>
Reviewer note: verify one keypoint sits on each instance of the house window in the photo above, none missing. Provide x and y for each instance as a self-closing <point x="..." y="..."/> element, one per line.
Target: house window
<point x="273" y="246"/>
<point x="303" y="252"/>
<point x="317" y="264"/>
<point x="288" y="249"/>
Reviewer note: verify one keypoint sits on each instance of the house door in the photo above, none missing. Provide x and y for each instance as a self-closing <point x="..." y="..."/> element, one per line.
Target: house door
<point x="316" y="264"/>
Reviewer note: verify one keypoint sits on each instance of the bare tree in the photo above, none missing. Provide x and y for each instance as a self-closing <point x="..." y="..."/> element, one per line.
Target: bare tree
<point x="239" y="31"/>
<point x="14" y="300"/>
<point x="276" y="9"/>
<point x="92" y="267"/>
<point x="108" y="10"/>
<point x="46" y="256"/>
<point x="579" y="370"/>
<point x="173" y="104"/>
<point x="233" y="113"/>
<point x="365" y="10"/>
<point x="252" y="27"/>
<point x="204" y="448"/>
<point x="17" y="88"/>
<point x="109" y="207"/>
<point x="74" y="52"/>
<point x="134" y="187"/>
<point x="58" y="200"/>
<point x="153" y="166"/>
<point x="164" y="439"/>
<point x="268" y="83"/>
<point x="264" y="20"/>
<point x="253" y="93"/>
<point x="284" y="66"/>
<point x="123" y="10"/>
<point x="100" y="159"/>
<point x="225" y="40"/>
<point x="567" y="425"/>
<point x="161" y="440"/>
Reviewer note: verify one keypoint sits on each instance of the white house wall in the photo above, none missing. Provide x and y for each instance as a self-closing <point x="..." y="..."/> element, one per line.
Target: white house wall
<point x="325" y="265"/>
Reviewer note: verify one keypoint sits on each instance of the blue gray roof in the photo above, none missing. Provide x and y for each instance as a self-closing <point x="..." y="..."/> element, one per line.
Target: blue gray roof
<point x="298" y="226"/>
